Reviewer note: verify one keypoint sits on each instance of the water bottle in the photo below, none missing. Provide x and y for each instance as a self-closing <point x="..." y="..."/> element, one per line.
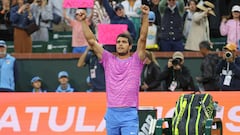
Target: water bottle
<point x="64" y="50"/>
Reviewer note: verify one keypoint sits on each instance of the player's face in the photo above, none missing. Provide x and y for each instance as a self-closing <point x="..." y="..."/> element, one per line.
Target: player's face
<point x="123" y="47"/>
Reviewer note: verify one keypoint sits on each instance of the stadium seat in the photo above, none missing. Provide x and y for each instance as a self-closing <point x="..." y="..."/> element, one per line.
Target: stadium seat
<point x="58" y="46"/>
<point x="60" y="35"/>
<point x="218" y="43"/>
<point x="37" y="46"/>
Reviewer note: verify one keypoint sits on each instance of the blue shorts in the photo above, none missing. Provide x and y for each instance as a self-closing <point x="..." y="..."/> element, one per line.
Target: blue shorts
<point x="79" y="49"/>
<point x="122" y="121"/>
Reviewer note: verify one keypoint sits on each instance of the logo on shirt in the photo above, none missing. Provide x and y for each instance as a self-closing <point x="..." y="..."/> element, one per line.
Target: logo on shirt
<point x="8" y="61"/>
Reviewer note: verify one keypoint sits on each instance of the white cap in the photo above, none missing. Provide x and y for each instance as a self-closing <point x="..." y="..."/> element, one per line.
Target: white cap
<point x="236" y="8"/>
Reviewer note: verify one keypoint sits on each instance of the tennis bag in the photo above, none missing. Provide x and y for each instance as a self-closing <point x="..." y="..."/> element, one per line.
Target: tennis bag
<point x="191" y="113"/>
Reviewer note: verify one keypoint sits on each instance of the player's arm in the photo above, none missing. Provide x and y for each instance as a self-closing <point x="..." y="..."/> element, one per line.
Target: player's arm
<point x="141" y="47"/>
<point x="97" y="48"/>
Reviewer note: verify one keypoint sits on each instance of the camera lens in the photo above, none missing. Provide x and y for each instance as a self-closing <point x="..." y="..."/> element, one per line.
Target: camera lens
<point x="175" y="62"/>
<point x="228" y="54"/>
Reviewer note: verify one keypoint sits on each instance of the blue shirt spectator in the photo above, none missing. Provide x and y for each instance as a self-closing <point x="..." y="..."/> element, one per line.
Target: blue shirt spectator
<point x="8" y="69"/>
<point x="37" y="84"/>
<point x="118" y="17"/>
<point x="20" y="20"/>
<point x="96" y="70"/>
<point x="21" y="17"/>
<point x="64" y="85"/>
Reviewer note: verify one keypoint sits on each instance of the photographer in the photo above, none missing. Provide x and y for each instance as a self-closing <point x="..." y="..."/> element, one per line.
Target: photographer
<point x="229" y="68"/>
<point x="177" y="76"/>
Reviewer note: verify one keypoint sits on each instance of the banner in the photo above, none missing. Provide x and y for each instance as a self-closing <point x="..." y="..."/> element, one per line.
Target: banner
<point x="78" y="3"/>
<point x="83" y="113"/>
<point x="107" y="33"/>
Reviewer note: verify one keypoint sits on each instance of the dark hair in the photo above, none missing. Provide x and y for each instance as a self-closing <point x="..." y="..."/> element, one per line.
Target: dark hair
<point x="128" y="36"/>
<point x="192" y="1"/>
<point x="205" y="44"/>
<point x="82" y="8"/>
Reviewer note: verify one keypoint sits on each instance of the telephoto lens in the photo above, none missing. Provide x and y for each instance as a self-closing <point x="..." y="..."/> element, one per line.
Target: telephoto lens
<point x="176" y="62"/>
<point x="228" y="54"/>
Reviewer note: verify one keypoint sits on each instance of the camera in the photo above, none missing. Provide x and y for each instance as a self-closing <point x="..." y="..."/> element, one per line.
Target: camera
<point x="176" y="62"/>
<point x="228" y="54"/>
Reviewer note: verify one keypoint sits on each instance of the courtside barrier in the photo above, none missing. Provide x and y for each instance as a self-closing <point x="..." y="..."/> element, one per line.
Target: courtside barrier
<point x="83" y="113"/>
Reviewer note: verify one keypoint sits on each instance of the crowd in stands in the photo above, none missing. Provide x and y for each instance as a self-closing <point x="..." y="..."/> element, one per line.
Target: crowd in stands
<point x="174" y="25"/>
<point x="174" y="20"/>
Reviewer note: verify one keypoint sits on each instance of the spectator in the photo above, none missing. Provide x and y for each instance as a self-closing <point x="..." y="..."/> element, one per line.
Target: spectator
<point x="57" y="9"/>
<point x="132" y="9"/>
<point x="64" y="85"/>
<point x="200" y="26"/>
<point x="6" y="30"/>
<point x="21" y="17"/>
<point x="117" y="16"/>
<point x="99" y="15"/>
<point x="176" y="75"/>
<point x="152" y="33"/>
<point x="208" y="79"/>
<point x="230" y="27"/>
<point x="96" y="71"/>
<point x="13" y="3"/>
<point x="171" y="37"/>
<point x="37" y="84"/>
<point x="154" y="7"/>
<point x="123" y="72"/>
<point x="150" y="73"/>
<point x="187" y="17"/>
<point x="79" y="43"/>
<point x="229" y="68"/>
<point x="8" y="70"/>
<point x="43" y="14"/>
